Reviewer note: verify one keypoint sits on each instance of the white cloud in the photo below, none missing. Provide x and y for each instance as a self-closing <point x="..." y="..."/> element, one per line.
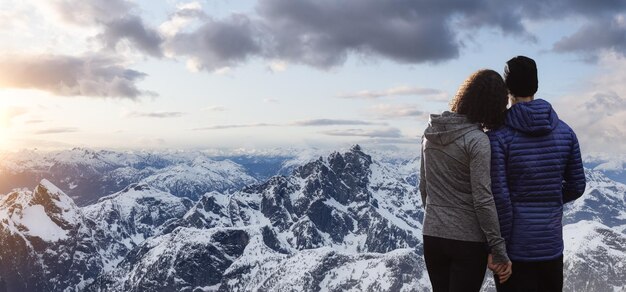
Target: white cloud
<point x="87" y="75"/>
<point x="185" y="14"/>
<point x="390" y="132"/>
<point x="395" y="91"/>
<point x="391" y="111"/>
<point x="598" y="112"/>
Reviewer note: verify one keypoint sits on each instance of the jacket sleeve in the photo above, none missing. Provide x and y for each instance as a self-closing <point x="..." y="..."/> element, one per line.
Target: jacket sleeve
<point x="574" y="180"/>
<point x="500" y="186"/>
<point x="422" y="180"/>
<point x="480" y="180"/>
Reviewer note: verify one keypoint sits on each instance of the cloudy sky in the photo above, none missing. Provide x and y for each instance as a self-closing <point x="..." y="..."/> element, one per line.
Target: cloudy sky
<point x="284" y="73"/>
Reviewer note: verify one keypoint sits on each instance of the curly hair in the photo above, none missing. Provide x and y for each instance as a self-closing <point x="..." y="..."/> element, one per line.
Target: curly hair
<point x="482" y="98"/>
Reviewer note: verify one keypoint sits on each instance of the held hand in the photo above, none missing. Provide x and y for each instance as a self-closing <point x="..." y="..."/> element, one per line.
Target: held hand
<point x="503" y="271"/>
<point x="496" y="268"/>
<point x="506" y="274"/>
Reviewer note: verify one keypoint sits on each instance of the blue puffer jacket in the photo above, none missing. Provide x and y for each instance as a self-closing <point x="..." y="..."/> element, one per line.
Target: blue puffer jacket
<point x="535" y="168"/>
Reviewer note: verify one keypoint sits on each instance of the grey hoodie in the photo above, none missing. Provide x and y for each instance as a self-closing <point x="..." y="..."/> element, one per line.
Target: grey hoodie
<point x="455" y="183"/>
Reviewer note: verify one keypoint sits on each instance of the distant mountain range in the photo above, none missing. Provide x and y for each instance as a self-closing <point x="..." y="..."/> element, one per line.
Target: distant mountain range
<point x="613" y="166"/>
<point x="87" y="175"/>
<point x="345" y="221"/>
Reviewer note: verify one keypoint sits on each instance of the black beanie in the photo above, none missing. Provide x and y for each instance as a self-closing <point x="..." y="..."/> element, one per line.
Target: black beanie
<point x="520" y="76"/>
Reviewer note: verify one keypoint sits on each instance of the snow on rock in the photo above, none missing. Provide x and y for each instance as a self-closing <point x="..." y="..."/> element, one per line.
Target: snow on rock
<point x="37" y="223"/>
<point x="344" y="221"/>
<point x="595" y="258"/>
<point x="604" y="201"/>
<point x="125" y="219"/>
<point x="86" y="175"/>
<point x="200" y="176"/>
<point x="46" y="213"/>
<point x="184" y="259"/>
<point x="325" y="269"/>
<point x="331" y="215"/>
<point x="47" y="242"/>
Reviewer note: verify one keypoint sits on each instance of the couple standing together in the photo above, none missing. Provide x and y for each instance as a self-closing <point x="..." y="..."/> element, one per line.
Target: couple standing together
<point x="493" y="183"/>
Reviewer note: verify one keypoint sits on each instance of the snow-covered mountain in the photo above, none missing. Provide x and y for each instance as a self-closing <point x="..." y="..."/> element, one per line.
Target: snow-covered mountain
<point x="337" y="214"/>
<point x="604" y="202"/>
<point x="46" y="242"/>
<point x="193" y="179"/>
<point x="613" y="166"/>
<point x="595" y="257"/>
<point x="340" y="222"/>
<point x="87" y="175"/>
<point x="122" y="221"/>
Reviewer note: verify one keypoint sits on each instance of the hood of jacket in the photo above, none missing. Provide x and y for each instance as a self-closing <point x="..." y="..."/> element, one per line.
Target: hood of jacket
<point x="445" y="128"/>
<point x="535" y="118"/>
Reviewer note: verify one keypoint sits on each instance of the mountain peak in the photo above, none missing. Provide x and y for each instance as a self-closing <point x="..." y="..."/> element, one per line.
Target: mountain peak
<point x="47" y="212"/>
<point x="53" y="199"/>
<point x="355" y="147"/>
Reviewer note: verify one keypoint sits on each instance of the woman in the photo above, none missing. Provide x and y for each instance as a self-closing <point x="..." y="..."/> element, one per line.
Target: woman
<point x="461" y="223"/>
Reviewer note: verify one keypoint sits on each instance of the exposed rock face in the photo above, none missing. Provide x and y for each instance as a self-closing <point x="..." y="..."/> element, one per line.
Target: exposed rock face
<point x="122" y="221"/>
<point x="46" y="242"/>
<point x="314" y="226"/>
<point x="345" y="201"/>
<point x="179" y="261"/>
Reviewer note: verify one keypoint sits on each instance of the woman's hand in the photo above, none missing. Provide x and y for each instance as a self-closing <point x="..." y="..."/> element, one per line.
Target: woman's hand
<point x="503" y="271"/>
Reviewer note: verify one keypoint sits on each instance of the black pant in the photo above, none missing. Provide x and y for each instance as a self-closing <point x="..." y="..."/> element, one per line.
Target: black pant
<point x="455" y="265"/>
<point x="544" y="276"/>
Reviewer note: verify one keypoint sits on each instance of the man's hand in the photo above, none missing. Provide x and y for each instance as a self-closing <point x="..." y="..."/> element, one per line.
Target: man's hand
<point x="503" y="271"/>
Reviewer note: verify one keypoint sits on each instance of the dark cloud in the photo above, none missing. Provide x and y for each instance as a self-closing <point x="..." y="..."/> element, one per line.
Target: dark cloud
<point x="330" y="122"/>
<point x="117" y="20"/>
<point x="324" y="33"/>
<point x="376" y="133"/>
<point x="539" y="9"/>
<point x="95" y="75"/>
<point x="132" y="29"/>
<point x="509" y="21"/>
<point x="159" y="115"/>
<point x="218" y="44"/>
<point x="56" y="130"/>
<point x="605" y="34"/>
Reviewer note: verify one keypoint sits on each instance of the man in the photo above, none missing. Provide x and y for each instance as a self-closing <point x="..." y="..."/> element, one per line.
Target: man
<point x="535" y="168"/>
